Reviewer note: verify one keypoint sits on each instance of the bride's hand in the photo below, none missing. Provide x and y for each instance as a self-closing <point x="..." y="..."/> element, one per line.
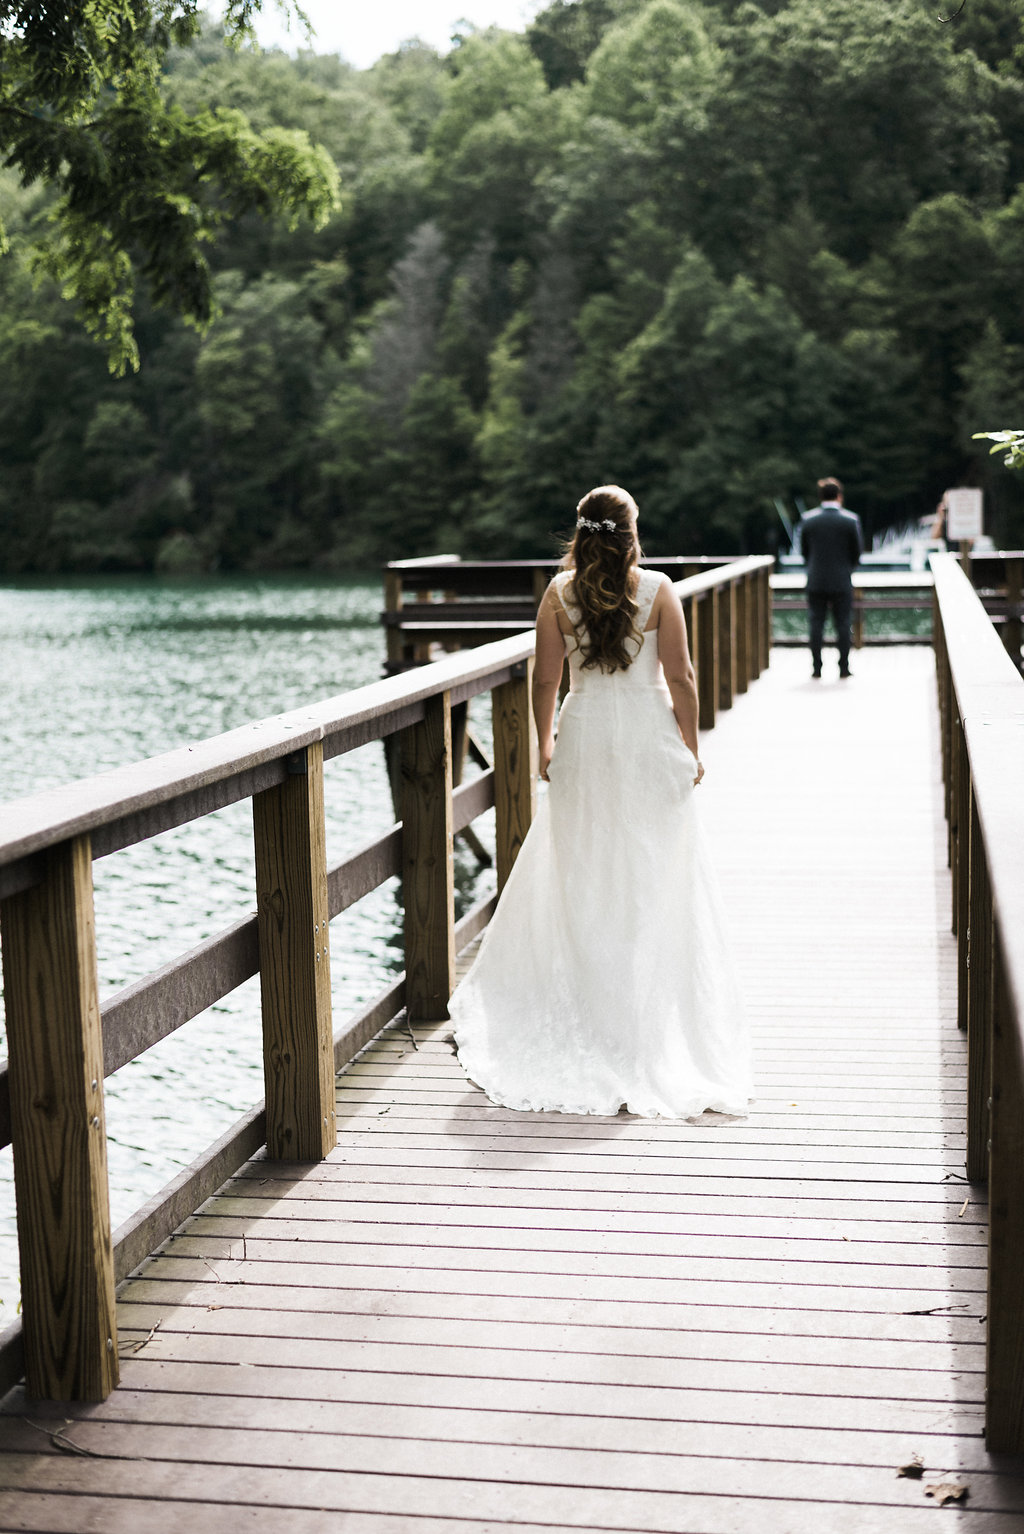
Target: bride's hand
<point x="546" y="752"/>
<point x="700" y="771"/>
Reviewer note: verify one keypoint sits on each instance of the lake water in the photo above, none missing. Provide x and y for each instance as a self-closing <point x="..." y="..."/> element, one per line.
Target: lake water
<point x="97" y="673"/>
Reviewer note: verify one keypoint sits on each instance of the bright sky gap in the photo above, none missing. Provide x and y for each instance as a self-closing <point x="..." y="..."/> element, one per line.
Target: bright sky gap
<point x="360" y="34"/>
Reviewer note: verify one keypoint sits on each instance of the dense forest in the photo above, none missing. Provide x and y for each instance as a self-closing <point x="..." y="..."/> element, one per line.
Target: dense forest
<point x="708" y="250"/>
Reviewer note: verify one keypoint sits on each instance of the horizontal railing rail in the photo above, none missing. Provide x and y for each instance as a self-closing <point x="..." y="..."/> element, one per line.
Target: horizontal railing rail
<point x="451" y="602"/>
<point x="875" y="592"/>
<point x="981" y="702"/>
<point x="63" y="1044"/>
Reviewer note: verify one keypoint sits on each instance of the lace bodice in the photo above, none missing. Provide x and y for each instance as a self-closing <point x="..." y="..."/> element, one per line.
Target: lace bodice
<point x="644" y="670"/>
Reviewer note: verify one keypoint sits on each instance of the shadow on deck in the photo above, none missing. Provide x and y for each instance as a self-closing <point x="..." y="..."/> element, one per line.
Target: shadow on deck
<point x="468" y="1319"/>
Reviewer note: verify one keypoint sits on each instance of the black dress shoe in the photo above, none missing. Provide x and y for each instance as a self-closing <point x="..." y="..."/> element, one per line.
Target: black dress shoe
<point x="816" y="674"/>
<point x="844" y="675"/>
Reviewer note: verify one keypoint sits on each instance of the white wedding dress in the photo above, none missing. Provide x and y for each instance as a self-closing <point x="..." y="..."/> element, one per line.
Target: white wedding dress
<point x="604" y="978"/>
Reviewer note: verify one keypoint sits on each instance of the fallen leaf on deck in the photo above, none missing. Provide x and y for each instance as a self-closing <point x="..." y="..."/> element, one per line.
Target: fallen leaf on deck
<point x="947" y="1491"/>
<point x="913" y="1469"/>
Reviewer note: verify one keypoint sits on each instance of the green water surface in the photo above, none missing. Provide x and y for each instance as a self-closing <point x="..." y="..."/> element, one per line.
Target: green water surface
<point x="101" y="672"/>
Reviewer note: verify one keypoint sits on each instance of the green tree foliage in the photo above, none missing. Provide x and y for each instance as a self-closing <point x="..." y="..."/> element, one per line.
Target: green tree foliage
<point x="708" y="248"/>
<point x="142" y="184"/>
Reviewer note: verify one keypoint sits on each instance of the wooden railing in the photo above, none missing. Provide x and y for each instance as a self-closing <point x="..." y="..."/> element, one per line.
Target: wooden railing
<point x="62" y="1044"/>
<point x="442" y="600"/>
<point x="875" y="593"/>
<point x="981" y="698"/>
<point x="995" y="574"/>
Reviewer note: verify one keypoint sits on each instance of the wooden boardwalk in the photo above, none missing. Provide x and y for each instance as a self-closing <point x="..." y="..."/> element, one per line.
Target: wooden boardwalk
<point x="469" y="1319"/>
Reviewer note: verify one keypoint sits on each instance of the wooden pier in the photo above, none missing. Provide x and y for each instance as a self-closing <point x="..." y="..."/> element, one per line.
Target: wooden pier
<point x="464" y="1319"/>
<point x="446" y="602"/>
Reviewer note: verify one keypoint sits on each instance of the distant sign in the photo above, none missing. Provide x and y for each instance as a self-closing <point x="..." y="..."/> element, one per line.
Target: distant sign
<point x="963" y="515"/>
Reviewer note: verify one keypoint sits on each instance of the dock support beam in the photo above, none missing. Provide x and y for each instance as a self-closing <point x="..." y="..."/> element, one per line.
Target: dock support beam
<point x="1004" y="1396"/>
<point x="766" y="619"/>
<point x="707" y="650"/>
<point x="295" y="965"/>
<point x="58" y="1132"/>
<point x="515" y="767"/>
<point x="977" y="994"/>
<point x="726" y="644"/>
<point x="741" y="601"/>
<point x="428" y="875"/>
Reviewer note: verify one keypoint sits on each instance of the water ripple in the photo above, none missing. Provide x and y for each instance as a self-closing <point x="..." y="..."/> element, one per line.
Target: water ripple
<point x="99" y="673"/>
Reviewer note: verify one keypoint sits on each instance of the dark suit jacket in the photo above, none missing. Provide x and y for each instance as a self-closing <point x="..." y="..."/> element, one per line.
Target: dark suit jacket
<point x="831" y="542"/>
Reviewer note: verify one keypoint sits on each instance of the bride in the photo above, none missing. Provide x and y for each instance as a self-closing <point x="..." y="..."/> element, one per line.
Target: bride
<point x="604" y="978"/>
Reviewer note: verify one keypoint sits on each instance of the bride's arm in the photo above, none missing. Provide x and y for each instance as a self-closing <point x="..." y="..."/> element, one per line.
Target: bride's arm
<point x="547" y="675"/>
<point x="674" y="654"/>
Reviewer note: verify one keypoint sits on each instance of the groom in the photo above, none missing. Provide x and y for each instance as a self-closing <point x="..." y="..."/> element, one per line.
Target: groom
<point x="831" y="542"/>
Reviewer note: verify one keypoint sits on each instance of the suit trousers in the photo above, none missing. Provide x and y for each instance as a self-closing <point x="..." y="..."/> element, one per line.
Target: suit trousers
<point x="841" y="604"/>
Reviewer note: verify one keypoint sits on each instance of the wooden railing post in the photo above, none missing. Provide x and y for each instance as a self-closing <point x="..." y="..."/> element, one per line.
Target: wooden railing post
<point x="515" y="766"/>
<point x="942" y="679"/>
<point x="958" y="845"/>
<point x="1004" y="1395"/>
<point x="707" y="647"/>
<point x="1012" y="626"/>
<point x="978" y="1002"/>
<point x="962" y="873"/>
<point x="393" y="604"/>
<point x="726" y="644"/>
<point x="693" y="634"/>
<point x="741" y="604"/>
<point x="753" y="627"/>
<point x="754" y="580"/>
<point x="428" y="877"/>
<point x="58" y="1131"/>
<point x="295" y="966"/>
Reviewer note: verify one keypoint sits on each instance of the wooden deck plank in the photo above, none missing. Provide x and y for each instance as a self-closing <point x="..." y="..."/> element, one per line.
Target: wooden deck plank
<point x="528" y="1332"/>
<point x="545" y="1283"/>
<point x="476" y="1207"/>
<point x="550" y="1430"/>
<point x="486" y="1465"/>
<point x="946" y="1327"/>
<point x="550" y="1237"/>
<point x="573" y="1506"/>
<point x="682" y="1515"/>
<point x="680" y="1403"/>
<point x="869" y="1248"/>
<point x="476" y="1320"/>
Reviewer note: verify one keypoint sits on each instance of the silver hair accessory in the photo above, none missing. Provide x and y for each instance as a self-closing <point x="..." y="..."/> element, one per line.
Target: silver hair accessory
<point x="595" y="527"/>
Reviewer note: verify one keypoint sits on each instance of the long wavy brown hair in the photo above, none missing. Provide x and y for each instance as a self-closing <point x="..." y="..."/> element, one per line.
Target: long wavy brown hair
<point x="603" y="583"/>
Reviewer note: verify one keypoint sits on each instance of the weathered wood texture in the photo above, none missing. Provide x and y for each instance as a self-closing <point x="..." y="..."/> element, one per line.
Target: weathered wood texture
<point x="1006" y="1238"/>
<point x="707" y="671"/>
<point x="468" y="1319"/>
<point x="983" y="720"/>
<point x="515" y="764"/>
<point x="726" y="646"/>
<point x="295" y="966"/>
<point x="59" y="1131"/>
<point x="427" y="869"/>
<point x="978" y="987"/>
<point x="741" y="601"/>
